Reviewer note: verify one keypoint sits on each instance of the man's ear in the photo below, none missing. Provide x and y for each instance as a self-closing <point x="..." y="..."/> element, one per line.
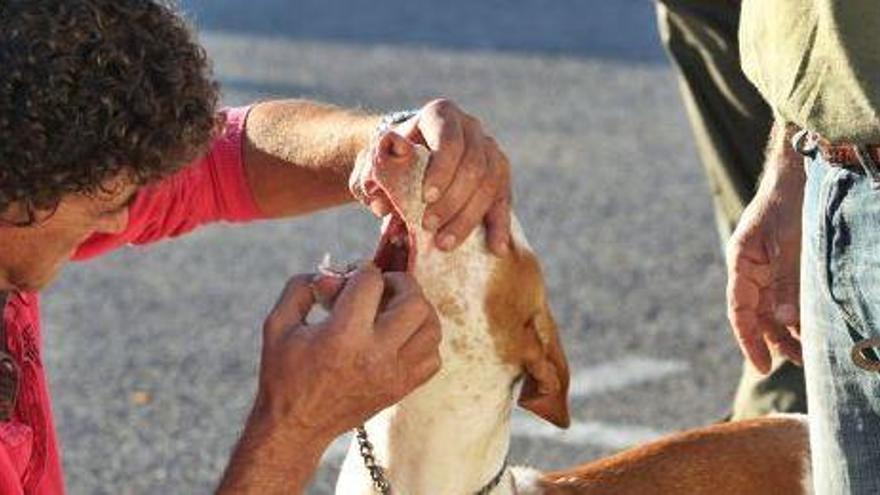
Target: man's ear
<point x="545" y="390"/>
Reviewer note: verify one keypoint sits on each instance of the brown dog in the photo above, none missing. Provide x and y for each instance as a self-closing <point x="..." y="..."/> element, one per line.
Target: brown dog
<point x="500" y="345"/>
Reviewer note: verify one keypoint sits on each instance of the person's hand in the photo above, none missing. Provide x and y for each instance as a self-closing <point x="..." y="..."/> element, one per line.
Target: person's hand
<point x="379" y="342"/>
<point x="317" y="380"/>
<point x="468" y="180"/>
<point x="763" y="260"/>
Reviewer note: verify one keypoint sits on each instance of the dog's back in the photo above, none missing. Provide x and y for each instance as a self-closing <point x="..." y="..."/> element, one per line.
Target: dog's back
<point x="756" y="457"/>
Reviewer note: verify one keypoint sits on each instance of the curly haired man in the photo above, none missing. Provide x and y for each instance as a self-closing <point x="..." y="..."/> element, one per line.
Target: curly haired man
<point x="110" y="135"/>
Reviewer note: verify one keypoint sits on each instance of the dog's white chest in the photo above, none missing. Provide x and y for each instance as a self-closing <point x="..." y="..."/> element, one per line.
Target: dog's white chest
<point x="445" y="436"/>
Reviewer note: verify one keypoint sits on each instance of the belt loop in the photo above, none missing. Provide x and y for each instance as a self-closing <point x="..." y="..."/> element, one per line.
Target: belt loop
<point x="805" y="142"/>
<point x="868" y="164"/>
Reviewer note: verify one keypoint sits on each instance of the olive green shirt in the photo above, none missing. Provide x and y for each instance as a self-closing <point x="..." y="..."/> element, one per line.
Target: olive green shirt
<point x="817" y="63"/>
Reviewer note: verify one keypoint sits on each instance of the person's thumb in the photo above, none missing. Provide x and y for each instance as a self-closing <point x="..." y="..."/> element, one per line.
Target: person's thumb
<point x="293" y="306"/>
<point x="786" y="310"/>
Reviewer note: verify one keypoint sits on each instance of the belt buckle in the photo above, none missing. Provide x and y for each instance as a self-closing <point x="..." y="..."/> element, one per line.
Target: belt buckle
<point x="9" y="381"/>
<point x="859" y="354"/>
<point x="868" y="164"/>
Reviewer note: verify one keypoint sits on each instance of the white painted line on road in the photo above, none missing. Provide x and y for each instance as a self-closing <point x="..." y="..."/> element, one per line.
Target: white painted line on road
<point x="585" y="433"/>
<point x="622" y="373"/>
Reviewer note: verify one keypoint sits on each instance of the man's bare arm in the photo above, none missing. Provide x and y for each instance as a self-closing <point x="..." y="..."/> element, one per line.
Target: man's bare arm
<point x="298" y="156"/>
<point x="272" y="457"/>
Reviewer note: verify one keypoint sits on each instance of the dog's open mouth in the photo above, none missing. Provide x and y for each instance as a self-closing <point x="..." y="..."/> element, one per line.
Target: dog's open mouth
<point x="396" y="251"/>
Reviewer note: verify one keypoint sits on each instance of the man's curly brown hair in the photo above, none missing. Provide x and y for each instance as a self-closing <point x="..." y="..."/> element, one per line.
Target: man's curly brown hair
<point x="92" y="88"/>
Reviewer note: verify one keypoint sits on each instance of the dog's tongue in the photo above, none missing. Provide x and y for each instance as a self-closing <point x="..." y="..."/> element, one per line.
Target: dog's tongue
<point x="391" y="169"/>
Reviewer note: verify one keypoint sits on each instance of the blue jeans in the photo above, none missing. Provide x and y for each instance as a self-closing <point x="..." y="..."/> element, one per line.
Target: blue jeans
<point x="840" y="301"/>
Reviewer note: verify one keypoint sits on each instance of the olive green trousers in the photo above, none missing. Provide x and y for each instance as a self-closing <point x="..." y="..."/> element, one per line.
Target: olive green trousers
<point x="731" y="123"/>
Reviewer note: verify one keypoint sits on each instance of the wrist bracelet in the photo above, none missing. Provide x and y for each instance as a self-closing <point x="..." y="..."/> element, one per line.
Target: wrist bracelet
<point x="391" y="119"/>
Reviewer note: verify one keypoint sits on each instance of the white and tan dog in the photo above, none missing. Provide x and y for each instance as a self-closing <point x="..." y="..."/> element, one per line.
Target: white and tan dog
<point x="500" y="345"/>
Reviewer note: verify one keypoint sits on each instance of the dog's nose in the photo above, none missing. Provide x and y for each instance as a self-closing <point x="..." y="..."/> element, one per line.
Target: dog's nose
<point x="395" y="149"/>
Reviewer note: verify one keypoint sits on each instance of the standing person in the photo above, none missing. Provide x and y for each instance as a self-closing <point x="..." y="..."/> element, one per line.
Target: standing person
<point x="817" y="62"/>
<point x="110" y="136"/>
<point x="730" y="122"/>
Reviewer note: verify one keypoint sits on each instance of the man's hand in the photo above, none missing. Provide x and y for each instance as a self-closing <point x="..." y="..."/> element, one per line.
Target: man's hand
<point x="318" y="380"/>
<point x="763" y="259"/>
<point x="468" y="180"/>
<point x="379" y="343"/>
<point x="298" y="157"/>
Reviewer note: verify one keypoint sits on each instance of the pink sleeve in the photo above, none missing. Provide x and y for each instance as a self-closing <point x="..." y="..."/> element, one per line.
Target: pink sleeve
<point x="213" y="188"/>
<point x="9" y="481"/>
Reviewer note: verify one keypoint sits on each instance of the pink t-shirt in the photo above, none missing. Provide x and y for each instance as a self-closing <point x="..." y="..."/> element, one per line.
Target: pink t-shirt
<point x="213" y="188"/>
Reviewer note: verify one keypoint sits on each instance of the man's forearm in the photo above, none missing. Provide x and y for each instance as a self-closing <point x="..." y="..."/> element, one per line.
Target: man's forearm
<point x="298" y="154"/>
<point x="272" y="458"/>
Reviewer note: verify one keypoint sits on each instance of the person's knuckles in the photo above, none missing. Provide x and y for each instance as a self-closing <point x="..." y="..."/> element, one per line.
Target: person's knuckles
<point x="401" y="282"/>
<point x="424" y="370"/>
<point x="399" y="288"/>
<point x="468" y="219"/>
<point x="442" y="107"/>
<point x="406" y="317"/>
<point x="361" y="289"/>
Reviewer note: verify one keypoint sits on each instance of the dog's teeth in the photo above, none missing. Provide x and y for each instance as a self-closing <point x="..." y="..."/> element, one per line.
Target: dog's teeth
<point x="398" y="240"/>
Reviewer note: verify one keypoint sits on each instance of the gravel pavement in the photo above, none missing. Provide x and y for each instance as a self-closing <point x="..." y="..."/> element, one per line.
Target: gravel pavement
<point x="152" y="353"/>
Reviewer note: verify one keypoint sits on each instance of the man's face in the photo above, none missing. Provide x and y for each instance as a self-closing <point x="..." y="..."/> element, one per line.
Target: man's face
<point x="31" y="257"/>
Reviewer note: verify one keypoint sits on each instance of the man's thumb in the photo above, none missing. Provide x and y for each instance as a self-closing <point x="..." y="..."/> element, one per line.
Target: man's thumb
<point x="786" y="312"/>
<point x="293" y="306"/>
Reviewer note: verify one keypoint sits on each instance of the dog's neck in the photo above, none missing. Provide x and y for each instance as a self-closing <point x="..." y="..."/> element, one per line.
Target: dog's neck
<point x="451" y="435"/>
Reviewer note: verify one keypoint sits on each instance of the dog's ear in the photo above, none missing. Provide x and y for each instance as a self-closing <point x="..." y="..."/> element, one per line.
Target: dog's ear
<point x="525" y="332"/>
<point x="545" y="389"/>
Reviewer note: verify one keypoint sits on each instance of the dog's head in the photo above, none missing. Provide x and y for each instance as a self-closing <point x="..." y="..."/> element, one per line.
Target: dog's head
<point x="520" y="322"/>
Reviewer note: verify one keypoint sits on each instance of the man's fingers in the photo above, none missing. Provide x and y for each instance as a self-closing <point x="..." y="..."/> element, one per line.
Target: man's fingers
<point x="422" y="371"/>
<point x="424" y="341"/>
<point x="786" y="296"/>
<point x="751" y="339"/>
<point x="358" y="302"/>
<point x="326" y="289"/>
<point x="420" y="356"/>
<point x="405" y="311"/>
<point x="440" y="126"/>
<point x="780" y="339"/>
<point x="498" y="227"/>
<point x="497" y="220"/>
<point x="292" y="307"/>
<point x="493" y="185"/>
<point x="463" y="223"/>
<point x="470" y="173"/>
<point x="399" y="287"/>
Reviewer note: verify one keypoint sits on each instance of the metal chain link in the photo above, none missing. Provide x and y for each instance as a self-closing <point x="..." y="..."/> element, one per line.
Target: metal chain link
<point x="377" y="474"/>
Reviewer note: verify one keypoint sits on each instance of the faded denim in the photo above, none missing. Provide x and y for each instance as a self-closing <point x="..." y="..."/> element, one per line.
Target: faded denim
<point x="840" y="305"/>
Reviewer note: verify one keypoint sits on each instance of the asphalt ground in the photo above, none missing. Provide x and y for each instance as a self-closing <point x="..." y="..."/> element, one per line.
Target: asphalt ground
<point x="152" y="352"/>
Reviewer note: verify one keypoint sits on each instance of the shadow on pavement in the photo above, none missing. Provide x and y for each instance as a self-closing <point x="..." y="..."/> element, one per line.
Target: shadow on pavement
<point x="608" y="29"/>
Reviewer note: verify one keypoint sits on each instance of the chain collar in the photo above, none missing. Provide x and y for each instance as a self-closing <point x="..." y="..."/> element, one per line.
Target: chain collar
<point x="380" y="480"/>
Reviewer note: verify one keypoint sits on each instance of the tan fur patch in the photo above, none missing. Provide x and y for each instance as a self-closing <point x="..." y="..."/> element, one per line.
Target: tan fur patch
<point x="525" y="334"/>
<point x="767" y="455"/>
<point x="515" y="294"/>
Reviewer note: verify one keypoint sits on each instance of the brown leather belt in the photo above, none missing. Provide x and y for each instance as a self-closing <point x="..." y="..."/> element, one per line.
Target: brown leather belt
<point x="863" y="156"/>
<point x="846" y="155"/>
